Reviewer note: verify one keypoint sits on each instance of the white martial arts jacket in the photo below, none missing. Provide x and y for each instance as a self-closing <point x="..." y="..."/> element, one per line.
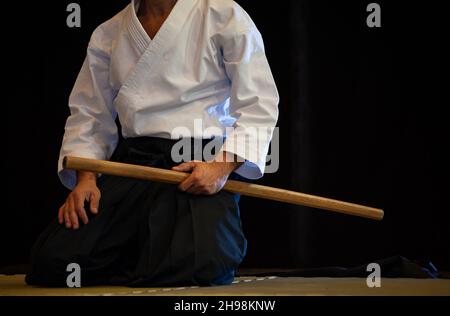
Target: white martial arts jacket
<point x="206" y="62"/>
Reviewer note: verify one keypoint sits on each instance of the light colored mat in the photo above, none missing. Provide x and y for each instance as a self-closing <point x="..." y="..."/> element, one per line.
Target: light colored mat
<point x="15" y="285"/>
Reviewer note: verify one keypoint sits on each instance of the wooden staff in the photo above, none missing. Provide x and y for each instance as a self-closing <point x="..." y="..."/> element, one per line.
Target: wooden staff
<point x="243" y="188"/>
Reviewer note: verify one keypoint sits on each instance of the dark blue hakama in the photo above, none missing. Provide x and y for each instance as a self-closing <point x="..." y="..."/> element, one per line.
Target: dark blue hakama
<point x="146" y="233"/>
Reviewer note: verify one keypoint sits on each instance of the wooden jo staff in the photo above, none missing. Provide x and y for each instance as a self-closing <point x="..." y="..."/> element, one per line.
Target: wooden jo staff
<point x="243" y="188"/>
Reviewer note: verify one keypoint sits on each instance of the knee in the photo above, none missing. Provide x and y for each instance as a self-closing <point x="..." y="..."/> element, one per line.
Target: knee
<point x="214" y="274"/>
<point x="47" y="268"/>
<point x="217" y="269"/>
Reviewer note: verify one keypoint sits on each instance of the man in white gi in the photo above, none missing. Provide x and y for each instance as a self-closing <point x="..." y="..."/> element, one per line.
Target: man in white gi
<point x="160" y="65"/>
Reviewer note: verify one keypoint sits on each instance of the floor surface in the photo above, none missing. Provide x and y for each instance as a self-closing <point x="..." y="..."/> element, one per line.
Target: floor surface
<point x="244" y="286"/>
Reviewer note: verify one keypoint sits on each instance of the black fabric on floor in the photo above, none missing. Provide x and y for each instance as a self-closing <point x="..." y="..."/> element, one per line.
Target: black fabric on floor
<point x="392" y="267"/>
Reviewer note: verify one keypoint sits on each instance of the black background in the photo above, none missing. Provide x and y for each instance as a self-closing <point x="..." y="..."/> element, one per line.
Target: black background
<point x="362" y="118"/>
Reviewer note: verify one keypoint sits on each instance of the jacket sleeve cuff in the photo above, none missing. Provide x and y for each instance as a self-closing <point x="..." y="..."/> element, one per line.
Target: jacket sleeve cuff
<point x="253" y="161"/>
<point x="69" y="177"/>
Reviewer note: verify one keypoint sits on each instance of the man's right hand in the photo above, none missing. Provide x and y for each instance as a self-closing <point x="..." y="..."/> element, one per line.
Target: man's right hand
<point x="73" y="208"/>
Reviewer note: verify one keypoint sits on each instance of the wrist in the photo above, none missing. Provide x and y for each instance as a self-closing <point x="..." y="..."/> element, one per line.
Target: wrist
<point x="86" y="176"/>
<point x="231" y="166"/>
<point x="229" y="160"/>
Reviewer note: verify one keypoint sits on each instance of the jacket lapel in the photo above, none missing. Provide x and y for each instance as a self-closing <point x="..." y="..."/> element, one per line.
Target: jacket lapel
<point x="153" y="50"/>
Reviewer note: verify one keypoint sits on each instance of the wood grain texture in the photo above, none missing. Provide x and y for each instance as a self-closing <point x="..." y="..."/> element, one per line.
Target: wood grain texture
<point x="243" y="188"/>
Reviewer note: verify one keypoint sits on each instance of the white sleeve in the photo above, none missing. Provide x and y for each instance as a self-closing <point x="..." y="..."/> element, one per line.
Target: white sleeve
<point x="254" y="96"/>
<point x="90" y="130"/>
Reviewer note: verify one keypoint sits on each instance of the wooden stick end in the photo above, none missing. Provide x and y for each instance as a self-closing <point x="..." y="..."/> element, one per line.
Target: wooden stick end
<point x="64" y="162"/>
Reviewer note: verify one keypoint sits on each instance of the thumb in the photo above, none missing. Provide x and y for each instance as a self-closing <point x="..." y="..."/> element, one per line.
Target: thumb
<point x="185" y="167"/>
